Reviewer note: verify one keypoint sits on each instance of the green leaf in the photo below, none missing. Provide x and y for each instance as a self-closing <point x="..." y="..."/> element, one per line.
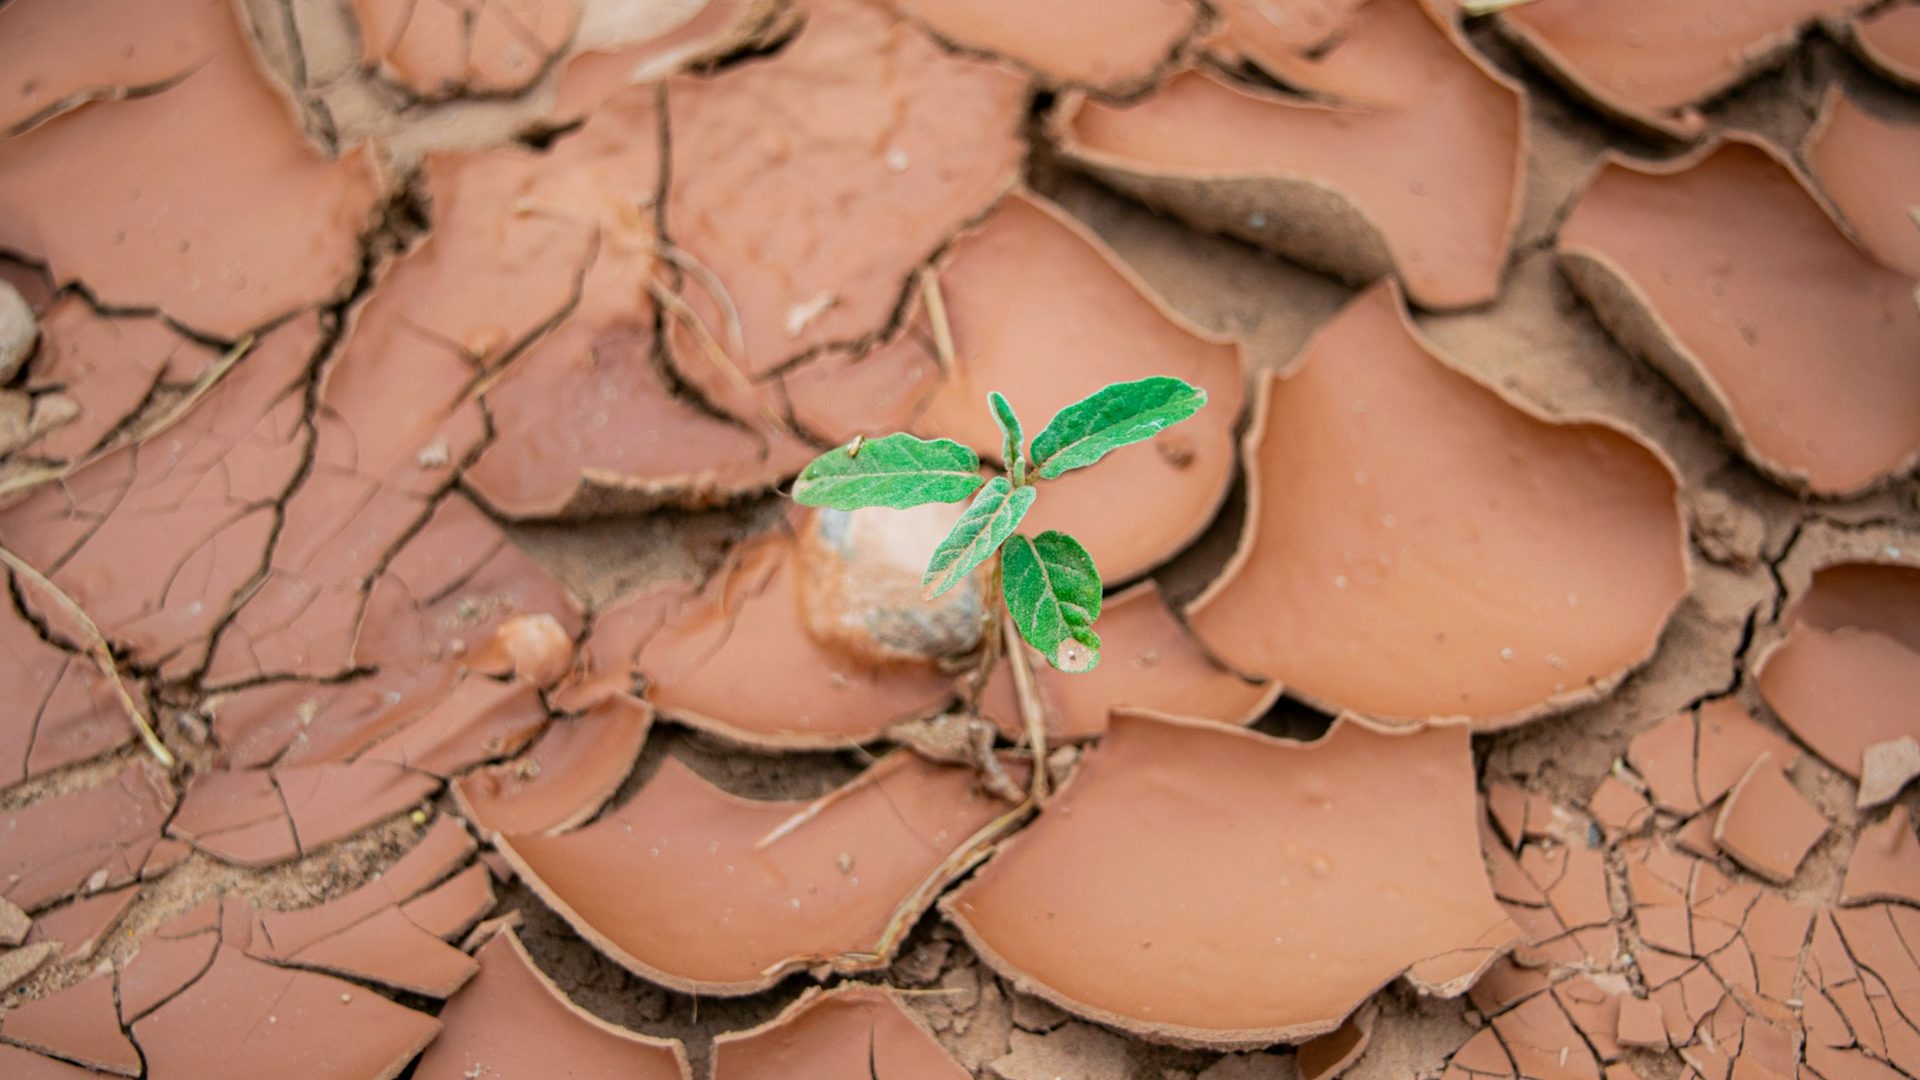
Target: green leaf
<point x="1012" y="439"/>
<point x="1053" y="593"/>
<point x="898" y="471"/>
<point x="995" y="513"/>
<point x="1121" y="414"/>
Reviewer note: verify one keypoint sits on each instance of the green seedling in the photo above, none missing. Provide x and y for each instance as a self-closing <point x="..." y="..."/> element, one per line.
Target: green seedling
<point x="1048" y="583"/>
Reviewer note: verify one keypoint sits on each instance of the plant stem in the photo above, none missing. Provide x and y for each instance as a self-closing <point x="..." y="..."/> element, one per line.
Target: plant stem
<point x="102" y="654"/>
<point x="1002" y="640"/>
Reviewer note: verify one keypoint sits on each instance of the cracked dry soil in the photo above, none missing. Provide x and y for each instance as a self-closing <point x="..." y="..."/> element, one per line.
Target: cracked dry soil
<point x="1517" y="674"/>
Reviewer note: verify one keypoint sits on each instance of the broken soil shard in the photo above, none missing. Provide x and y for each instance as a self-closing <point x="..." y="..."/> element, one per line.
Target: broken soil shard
<point x="256" y="223"/>
<point x="1150" y="663"/>
<point x="244" y="1017"/>
<point x="1692" y="758"/>
<point x="1870" y="169"/>
<point x="1114" y="45"/>
<point x="1328" y="184"/>
<point x="1846" y="675"/>
<point x="79" y="1023"/>
<point x="1653" y="62"/>
<point x="1889" y="38"/>
<point x="59" y="54"/>
<point x="513" y="1021"/>
<point x="738" y="659"/>
<point x="1741" y="318"/>
<point x="853" y="1031"/>
<point x="676" y="885"/>
<point x="563" y="779"/>
<point x="1031" y="281"/>
<point x="1386" y="486"/>
<point x="1766" y="825"/>
<point x="1348" y="862"/>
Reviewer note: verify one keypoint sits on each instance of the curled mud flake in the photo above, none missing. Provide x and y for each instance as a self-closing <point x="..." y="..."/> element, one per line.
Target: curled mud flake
<point x="1328" y="184"/>
<point x="157" y="540"/>
<point x="97" y="837"/>
<point x="1349" y="862"/>
<point x="1889" y="38"/>
<point x="1692" y="758"/>
<point x="563" y="779"/>
<point x="1386" y="486"/>
<point x="79" y="1024"/>
<point x="1767" y="825"/>
<point x="513" y="1021"/>
<point x="1150" y="663"/>
<point x="79" y="927"/>
<point x="259" y="817"/>
<point x="1671" y="262"/>
<point x="1275" y="34"/>
<point x="845" y="393"/>
<point x="256" y="223"/>
<point x="812" y="183"/>
<point x="1885" y="863"/>
<point x="1870" y="169"/>
<point x="739" y="661"/>
<point x="1114" y="46"/>
<point x="108" y="366"/>
<point x="1651" y="62"/>
<point x="447" y="48"/>
<point x="60" y="54"/>
<point x="245" y="1017"/>
<point x="58" y="708"/>
<point x="606" y="667"/>
<point x="708" y="893"/>
<point x="1032" y="282"/>
<point x="1330" y="1055"/>
<point x="1846" y="674"/>
<point x="852" y="1031"/>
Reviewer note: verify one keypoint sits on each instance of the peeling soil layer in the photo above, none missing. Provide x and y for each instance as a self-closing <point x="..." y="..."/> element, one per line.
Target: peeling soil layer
<point x="409" y="665"/>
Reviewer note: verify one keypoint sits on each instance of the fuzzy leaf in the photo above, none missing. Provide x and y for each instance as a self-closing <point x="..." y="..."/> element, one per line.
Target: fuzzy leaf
<point x="1110" y="418"/>
<point x="1011" y="437"/>
<point x="995" y="513"/>
<point x="897" y="471"/>
<point x="1053" y="594"/>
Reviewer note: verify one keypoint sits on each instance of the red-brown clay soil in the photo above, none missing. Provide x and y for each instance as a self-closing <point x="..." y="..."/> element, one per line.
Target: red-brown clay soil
<point x="1514" y="672"/>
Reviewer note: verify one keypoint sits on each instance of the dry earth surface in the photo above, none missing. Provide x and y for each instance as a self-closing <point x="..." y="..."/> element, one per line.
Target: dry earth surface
<point x="1513" y="672"/>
